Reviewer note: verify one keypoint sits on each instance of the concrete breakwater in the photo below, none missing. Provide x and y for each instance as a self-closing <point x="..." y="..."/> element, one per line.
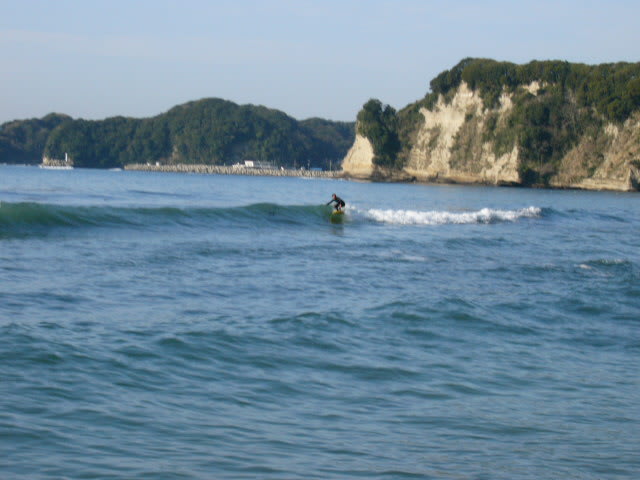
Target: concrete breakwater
<point x="49" y="162"/>
<point x="226" y="170"/>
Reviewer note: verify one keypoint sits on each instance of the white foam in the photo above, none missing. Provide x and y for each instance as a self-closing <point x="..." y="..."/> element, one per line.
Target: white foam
<point x="485" y="215"/>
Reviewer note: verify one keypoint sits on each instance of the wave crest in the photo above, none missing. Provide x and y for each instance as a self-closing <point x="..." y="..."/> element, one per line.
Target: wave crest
<point x="483" y="216"/>
<point x="29" y="218"/>
<point x="25" y="219"/>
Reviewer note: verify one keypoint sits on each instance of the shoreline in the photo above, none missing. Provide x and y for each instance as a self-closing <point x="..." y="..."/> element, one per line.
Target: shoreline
<point x="226" y="170"/>
<point x="338" y="175"/>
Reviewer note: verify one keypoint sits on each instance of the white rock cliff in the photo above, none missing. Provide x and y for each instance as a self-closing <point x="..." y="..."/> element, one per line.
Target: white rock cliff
<point x="449" y="147"/>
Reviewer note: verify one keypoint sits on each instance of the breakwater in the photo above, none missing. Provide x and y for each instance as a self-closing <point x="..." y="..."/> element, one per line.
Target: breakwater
<point x="49" y="162"/>
<point x="226" y="170"/>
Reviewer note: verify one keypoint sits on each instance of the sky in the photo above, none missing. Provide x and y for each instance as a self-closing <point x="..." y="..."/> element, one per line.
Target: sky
<point x="95" y="59"/>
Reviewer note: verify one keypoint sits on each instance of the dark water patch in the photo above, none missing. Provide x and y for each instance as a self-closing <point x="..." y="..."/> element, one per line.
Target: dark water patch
<point x="33" y="350"/>
<point x="137" y="352"/>
<point x="212" y="354"/>
<point x="400" y="474"/>
<point x="159" y="193"/>
<point x="50" y="325"/>
<point x="372" y="373"/>
<point x="465" y="314"/>
<point x="609" y="217"/>
<point x="477" y="241"/>
<point x="591" y="215"/>
<point x="464" y="389"/>
<point x="319" y="343"/>
<point x="175" y="345"/>
<point x="312" y="320"/>
<point x="56" y="300"/>
<point x="421" y="394"/>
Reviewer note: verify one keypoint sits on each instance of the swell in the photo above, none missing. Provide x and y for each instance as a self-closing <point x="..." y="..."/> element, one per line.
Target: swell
<point x="35" y="219"/>
<point x="29" y="218"/>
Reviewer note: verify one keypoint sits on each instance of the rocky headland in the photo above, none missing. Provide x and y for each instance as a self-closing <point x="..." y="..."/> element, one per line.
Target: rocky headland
<point x="537" y="133"/>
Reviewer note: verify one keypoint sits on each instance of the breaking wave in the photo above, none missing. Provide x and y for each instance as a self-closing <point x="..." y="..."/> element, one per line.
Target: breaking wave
<point x="29" y="218"/>
<point x="435" y="217"/>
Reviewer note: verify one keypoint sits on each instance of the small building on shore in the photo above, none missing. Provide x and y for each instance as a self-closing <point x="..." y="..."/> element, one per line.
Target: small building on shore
<point x="257" y="164"/>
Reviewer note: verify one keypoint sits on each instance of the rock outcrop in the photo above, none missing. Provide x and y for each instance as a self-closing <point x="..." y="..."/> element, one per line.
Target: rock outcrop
<point x="609" y="160"/>
<point x="449" y="146"/>
<point x="459" y="139"/>
<point x="359" y="160"/>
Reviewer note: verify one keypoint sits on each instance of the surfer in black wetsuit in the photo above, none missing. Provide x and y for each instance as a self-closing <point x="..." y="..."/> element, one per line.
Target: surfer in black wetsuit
<point x="337" y="201"/>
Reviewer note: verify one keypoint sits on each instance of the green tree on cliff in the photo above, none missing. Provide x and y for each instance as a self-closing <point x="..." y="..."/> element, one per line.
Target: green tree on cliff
<point x="23" y="141"/>
<point x="379" y="123"/>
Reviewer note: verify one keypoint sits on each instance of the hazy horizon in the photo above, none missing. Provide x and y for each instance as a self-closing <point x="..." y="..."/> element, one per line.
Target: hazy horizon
<point x="100" y="59"/>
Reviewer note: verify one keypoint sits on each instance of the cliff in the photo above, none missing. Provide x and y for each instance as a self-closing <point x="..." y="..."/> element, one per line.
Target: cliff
<point x="496" y="123"/>
<point x="359" y="160"/>
<point x="609" y="160"/>
<point x="449" y="146"/>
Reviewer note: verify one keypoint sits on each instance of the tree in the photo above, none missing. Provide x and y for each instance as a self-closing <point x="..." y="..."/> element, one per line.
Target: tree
<point x="379" y="123"/>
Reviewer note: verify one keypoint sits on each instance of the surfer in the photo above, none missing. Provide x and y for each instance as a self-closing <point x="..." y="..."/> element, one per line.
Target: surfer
<point x="337" y="201"/>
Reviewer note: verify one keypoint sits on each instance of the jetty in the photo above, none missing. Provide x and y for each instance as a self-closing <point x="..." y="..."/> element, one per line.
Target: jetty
<point x="233" y="170"/>
<point x="62" y="164"/>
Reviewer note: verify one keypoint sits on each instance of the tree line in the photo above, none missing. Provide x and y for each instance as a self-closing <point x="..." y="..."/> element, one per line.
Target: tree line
<point x="572" y="99"/>
<point x="209" y="131"/>
<point x="613" y="89"/>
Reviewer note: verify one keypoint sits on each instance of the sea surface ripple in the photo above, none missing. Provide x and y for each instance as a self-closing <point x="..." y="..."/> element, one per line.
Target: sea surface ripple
<point x="174" y="326"/>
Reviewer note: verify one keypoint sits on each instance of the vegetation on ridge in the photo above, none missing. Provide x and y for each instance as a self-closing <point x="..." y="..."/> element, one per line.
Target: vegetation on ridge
<point x="209" y="131"/>
<point x="379" y="124"/>
<point x="572" y="99"/>
<point x="23" y="141"/>
<point x="613" y="89"/>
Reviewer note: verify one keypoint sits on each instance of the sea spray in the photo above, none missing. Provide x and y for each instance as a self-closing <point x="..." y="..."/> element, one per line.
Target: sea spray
<point x="443" y="217"/>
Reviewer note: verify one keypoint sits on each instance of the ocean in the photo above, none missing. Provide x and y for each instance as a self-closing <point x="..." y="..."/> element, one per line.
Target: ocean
<point x="183" y="326"/>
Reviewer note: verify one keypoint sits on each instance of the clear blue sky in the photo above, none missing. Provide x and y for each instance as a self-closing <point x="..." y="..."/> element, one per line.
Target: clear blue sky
<point x="324" y="58"/>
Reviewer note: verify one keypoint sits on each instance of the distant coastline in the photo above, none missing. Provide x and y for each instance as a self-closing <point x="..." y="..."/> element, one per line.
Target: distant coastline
<point x="544" y="124"/>
<point x="226" y="170"/>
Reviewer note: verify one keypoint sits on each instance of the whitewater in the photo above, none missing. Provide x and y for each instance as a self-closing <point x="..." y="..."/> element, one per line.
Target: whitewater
<point x="204" y="326"/>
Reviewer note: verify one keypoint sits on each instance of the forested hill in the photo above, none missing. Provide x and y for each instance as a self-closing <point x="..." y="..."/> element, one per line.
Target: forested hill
<point x="551" y="123"/>
<point x="209" y="131"/>
<point x="24" y="141"/>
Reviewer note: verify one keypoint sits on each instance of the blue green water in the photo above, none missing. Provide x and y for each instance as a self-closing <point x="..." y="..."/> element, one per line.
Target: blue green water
<point x="170" y="326"/>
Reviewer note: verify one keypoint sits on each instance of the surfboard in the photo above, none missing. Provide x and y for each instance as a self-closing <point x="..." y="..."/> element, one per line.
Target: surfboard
<point x="337" y="216"/>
